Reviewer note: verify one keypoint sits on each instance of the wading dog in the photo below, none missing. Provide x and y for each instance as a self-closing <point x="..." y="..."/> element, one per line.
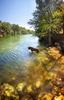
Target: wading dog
<point x="33" y="49"/>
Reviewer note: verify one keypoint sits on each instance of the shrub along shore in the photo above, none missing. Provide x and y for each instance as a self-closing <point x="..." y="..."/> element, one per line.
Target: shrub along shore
<point x="12" y="29"/>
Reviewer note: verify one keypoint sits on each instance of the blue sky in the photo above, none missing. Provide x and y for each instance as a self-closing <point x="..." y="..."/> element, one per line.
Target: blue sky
<point x="17" y="11"/>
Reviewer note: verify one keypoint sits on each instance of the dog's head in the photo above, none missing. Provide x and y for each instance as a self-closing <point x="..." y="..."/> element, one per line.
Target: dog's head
<point x="29" y="47"/>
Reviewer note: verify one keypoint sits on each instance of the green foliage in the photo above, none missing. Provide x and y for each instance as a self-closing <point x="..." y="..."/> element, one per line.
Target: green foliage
<point x="47" y="18"/>
<point x="61" y="15"/>
<point x="12" y="29"/>
<point x="15" y="28"/>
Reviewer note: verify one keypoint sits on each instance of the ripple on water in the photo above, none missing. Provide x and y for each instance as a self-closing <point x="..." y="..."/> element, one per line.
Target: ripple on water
<point x="15" y="57"/>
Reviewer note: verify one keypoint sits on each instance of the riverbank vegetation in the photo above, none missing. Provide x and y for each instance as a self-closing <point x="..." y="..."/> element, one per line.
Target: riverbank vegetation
<point x="12" y="29"/>
<point x="48" y="21"/>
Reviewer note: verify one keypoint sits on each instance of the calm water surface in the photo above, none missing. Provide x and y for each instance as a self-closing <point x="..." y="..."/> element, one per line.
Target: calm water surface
<point x="14" y="55"/>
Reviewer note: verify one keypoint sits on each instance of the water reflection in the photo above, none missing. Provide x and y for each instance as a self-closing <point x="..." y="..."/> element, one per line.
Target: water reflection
<point x="14" y="54"/>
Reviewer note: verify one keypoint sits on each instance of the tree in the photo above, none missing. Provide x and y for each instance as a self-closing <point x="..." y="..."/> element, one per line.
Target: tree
<point x="61" y="11"/>
<point x="15" y="28"/>
<point x="6" y="27"/>
<point x="46" y="19"/>
<point x="9" y="29"/>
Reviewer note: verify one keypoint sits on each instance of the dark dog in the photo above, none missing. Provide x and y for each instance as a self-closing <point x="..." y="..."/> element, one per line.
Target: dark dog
<point x="33" y="49"/>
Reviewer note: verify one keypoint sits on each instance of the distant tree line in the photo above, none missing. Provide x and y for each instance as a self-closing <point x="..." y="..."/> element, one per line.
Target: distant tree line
<point x="48" y="20"/>
<point x="12" y="29"/>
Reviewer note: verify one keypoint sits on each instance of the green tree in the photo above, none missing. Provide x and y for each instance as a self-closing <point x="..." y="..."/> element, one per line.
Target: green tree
<point x="6" y="27"/>
<point x="61" y="15"/>
<point x="46" y="19"/>
<point x="15" y="28"/>
<point x="12" y="29"/>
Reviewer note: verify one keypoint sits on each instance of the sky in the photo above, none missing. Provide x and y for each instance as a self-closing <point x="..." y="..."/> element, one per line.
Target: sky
<point x="17" y="11"/>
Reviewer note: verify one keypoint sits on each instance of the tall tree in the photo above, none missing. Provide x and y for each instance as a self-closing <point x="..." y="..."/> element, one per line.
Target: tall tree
<point x="61" y="11"/>
<point x="15" y="28"/>
<point x="45" y="18"/>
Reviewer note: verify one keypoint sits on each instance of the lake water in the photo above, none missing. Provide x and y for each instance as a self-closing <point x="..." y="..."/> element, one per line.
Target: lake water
<point x="14" y="55"/>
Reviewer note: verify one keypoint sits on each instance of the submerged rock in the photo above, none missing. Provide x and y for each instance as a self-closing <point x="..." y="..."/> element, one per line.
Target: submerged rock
<point x="61" y="97"/>
<point x="20" y="86"/>
<point x="7" y="90"/>
<point x="54" y="52"/>
<point x="62" y="90"/>
<point x="47" y="96"/>
<point x="38" y="84"/>
<point x="29" y="88"/>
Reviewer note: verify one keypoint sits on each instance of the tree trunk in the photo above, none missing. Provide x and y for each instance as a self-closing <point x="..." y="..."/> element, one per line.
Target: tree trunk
<point x="49" y="39"/>
<point x="14" y="32"/>
<point x="63" y="25"/>
<point x="63" y="28"/>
